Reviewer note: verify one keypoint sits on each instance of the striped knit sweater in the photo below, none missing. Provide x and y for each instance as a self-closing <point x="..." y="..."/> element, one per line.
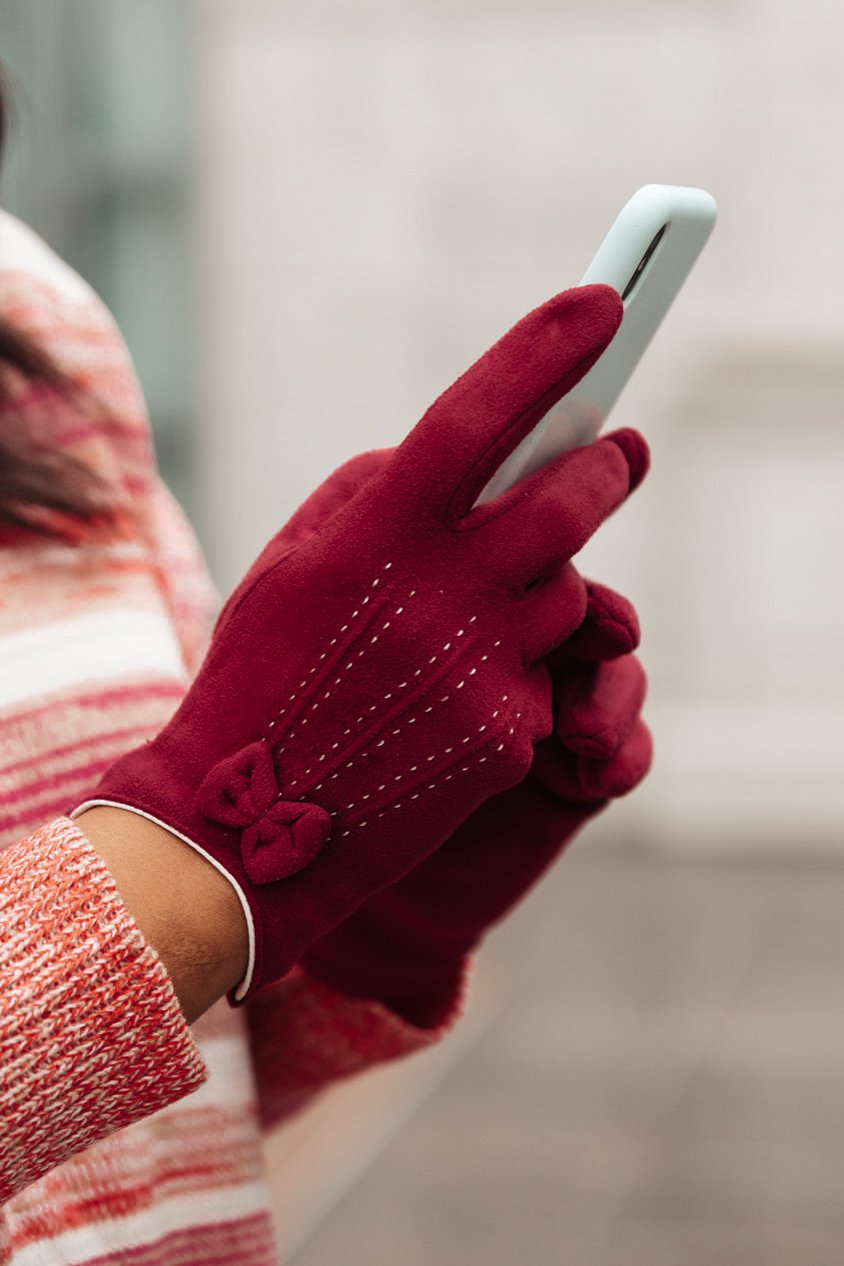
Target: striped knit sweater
<point x="124" y="1134"/>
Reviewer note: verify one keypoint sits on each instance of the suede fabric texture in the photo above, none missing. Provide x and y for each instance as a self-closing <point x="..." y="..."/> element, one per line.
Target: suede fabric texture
<point x="407" y="945"/>
<point x="368" y="686"/>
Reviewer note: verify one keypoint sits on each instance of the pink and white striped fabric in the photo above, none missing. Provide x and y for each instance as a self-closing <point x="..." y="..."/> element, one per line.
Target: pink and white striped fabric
<point x="125" y="1136"/>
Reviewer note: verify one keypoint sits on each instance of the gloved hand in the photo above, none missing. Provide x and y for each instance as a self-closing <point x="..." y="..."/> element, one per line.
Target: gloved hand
<point x="369" y="687"/>
<point x="406" y="946"/>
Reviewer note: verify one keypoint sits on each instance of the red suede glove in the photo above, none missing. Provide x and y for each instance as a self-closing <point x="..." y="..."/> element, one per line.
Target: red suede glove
<point x="407" y="944"/>
<point x="369" y="687"/>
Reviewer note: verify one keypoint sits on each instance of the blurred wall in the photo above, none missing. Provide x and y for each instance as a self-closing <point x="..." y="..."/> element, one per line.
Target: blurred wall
<point x="364" y="196"/>
<point x="99" y="164"/>
<point x="385" y="187"/>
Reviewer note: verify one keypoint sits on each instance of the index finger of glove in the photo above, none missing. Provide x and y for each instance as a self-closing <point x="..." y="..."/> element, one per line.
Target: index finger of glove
<point x="450" y="456"/>
<point x="548" y="517"/>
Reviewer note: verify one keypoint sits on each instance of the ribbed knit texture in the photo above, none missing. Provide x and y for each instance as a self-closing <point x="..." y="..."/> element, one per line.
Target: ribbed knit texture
<point x="98" y="637"/>
<point x="91" y="1034"/>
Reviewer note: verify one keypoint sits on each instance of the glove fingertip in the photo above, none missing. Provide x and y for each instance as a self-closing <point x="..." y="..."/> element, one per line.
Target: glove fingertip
<point x="603" y="313"/>
<point x="636" y="453"/>
<point x="618" y="776"/>
<point x="613" y="620"/>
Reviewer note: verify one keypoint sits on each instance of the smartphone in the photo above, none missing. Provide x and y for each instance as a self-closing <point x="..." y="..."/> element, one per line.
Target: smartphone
<point x="646" y="256"/>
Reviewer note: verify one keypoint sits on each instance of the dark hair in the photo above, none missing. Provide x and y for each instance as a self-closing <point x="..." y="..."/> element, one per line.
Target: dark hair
<point x="35" y="479"/>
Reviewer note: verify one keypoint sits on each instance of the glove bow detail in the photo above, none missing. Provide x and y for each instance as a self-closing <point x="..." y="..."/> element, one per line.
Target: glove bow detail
<point x="280" y="837"/>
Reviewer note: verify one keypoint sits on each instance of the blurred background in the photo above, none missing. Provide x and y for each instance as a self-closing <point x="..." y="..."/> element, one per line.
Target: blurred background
<point x="309" y="216"/>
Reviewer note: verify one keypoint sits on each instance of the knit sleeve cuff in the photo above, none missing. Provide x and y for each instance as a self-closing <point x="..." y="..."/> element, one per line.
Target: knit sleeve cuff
<point x="92" y="1037"/>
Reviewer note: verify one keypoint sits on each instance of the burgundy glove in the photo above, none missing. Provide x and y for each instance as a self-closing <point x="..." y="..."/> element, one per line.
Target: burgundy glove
<point x="407" y="944"/>
<point x="370" y="686"/>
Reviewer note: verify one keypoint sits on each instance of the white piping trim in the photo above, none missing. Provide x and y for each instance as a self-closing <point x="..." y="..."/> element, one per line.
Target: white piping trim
<point x="243" y="988"/>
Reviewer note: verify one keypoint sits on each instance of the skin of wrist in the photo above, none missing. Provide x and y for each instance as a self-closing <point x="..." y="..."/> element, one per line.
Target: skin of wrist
<point x="186" y="909"/>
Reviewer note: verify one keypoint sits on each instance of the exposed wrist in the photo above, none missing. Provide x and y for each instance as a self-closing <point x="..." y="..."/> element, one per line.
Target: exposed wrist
<point x="186" y="909"/>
